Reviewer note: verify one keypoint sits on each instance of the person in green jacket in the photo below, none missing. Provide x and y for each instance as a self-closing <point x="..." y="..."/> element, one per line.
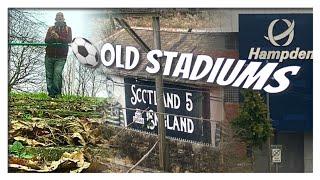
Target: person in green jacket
<point x="56" y="55"/>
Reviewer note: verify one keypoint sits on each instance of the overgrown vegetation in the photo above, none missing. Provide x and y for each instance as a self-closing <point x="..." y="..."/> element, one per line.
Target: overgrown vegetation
<point x="70" y="134"/>
<point x="252" y="125"/>
<point x="17" y="149"/>
<point x="58" y="135"/>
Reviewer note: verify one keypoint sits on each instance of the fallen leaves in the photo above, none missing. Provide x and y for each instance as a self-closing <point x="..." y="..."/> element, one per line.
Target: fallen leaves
<point x="60" y="135"/>
<point x="76" y="137"/>
<point x="63" y="131"/>
<point x="30" y="142"/>
<point x="69" y="162"/>
<point x="40" y="122"/>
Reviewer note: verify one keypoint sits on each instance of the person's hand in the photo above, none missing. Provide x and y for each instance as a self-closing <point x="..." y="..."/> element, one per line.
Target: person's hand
<point x="54" y="35"/>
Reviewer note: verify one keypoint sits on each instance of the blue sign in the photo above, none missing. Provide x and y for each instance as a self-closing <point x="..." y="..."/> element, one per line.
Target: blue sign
<point x="287" y="39"/>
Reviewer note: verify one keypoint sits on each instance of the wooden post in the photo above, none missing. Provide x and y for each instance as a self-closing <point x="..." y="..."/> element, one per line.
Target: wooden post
<point x="133" y="34"/>
<point x="269" y="138"/>
<point x="221" y="144"/>
<point x="163" y="150"/>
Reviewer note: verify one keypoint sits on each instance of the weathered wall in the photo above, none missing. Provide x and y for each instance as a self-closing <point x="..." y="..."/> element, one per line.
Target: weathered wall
<point x="183" y="156"/>
<point x="231" y="112"/>
<point x="308" y="152"/>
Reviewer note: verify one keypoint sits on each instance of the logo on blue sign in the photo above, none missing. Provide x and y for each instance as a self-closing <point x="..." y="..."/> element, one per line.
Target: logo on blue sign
<point x="289" y="32"/>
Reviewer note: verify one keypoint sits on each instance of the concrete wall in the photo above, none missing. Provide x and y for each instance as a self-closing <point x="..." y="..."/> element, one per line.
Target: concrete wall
<point x="296" y="154"/>
<point x="308" y="152"/>
<point x="216" y="110"/>
<point x="261" y="159"/>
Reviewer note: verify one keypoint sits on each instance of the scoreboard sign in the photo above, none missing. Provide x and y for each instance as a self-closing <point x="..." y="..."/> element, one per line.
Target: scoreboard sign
<point x="183" y="108"/>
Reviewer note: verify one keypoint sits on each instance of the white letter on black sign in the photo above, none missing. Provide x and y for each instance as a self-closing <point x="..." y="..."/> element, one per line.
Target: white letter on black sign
<point x="190" y="125"/>
<point x="134" y="98"/>
<point x="189" y="104"/>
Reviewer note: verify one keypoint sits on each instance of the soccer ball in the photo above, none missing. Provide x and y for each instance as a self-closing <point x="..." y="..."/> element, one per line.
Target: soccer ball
<point x="86" y="53"/>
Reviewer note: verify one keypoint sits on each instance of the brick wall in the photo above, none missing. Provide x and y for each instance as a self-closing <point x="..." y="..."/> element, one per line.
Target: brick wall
<point x="234" y="145"/>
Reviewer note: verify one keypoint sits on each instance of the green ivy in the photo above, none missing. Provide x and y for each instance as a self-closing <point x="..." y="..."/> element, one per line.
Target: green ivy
<point x="17" y="149"/>
<point x="252" y="125"/>
<point x="27" y="117"/>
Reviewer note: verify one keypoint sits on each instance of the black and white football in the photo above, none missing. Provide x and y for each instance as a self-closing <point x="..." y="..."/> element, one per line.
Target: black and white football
<point x="86" y="53"/>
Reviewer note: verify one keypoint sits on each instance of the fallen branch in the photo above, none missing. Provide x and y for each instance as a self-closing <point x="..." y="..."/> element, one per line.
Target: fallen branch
<point x="144" y="157"/>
